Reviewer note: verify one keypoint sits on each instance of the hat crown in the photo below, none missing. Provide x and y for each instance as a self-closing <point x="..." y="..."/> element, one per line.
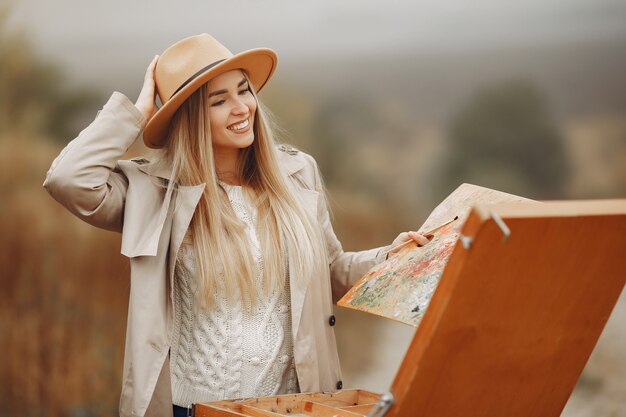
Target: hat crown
<point x="183" y="60"/>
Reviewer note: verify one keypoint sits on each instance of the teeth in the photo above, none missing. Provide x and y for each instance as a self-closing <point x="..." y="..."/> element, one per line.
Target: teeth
<point x="240" y="126"/>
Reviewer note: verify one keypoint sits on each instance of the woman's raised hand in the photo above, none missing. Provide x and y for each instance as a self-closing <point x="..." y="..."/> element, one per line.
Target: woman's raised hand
<point x="405" y="237"/>
<point x="146" y="100"/>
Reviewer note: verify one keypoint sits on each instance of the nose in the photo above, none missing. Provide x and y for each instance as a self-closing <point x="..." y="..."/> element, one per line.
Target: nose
<point x="239" y="107"/>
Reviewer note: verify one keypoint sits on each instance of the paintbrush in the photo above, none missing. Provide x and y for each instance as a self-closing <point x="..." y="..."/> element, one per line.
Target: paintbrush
<point x="430" y="232"/>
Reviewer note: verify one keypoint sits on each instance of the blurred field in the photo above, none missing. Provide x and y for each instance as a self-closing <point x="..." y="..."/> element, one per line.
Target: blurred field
<point x="65" y="295"/>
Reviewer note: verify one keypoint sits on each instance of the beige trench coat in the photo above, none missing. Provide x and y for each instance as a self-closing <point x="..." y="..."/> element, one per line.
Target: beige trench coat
<point x="125" y="196"/>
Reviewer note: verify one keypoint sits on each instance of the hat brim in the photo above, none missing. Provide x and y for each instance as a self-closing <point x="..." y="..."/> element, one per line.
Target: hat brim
<point x="259" y="65"/>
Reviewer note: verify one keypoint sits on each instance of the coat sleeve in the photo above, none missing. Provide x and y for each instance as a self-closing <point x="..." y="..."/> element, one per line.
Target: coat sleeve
<point x="345" y="267"/>
<point x="85" y="177"/>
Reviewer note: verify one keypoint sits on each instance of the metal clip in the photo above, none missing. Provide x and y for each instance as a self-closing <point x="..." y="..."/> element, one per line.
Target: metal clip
<point x="466" y="241"/>
<point x="382" y="406"/>
<point x="505" y="230"/>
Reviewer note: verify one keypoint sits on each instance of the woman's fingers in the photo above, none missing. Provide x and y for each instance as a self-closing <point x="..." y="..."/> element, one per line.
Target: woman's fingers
<point x="152" y="64"/>
<point x="146" y="100"/>
<point x="404" y="238"/>
<point x="419" y="238"/>
<point x="149" y="77"/>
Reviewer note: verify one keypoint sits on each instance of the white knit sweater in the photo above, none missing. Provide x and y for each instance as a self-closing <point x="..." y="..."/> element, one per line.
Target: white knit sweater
<point x="228" y="351"/>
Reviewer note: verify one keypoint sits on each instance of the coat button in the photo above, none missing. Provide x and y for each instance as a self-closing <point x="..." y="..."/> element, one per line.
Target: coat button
<point x="339" y="384"/>
<point x="331" y="320"/>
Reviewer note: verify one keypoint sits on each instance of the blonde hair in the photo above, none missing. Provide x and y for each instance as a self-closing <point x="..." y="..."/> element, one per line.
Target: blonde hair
<point x="288" y="235"/>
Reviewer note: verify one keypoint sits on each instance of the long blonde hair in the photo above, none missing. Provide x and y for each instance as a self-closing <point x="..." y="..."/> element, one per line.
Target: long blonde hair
<point x="287" y="234"/>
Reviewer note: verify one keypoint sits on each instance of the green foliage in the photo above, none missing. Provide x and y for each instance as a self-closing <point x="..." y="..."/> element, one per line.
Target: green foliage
<point x="339" y="121"/>
<point x="34" y="96"/>
<point x="344" y="126"/>
<point x="504" y="138"/>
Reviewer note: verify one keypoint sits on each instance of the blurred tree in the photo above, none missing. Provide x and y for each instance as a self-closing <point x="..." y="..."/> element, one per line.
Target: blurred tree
<point x="339" y="121"/>
<point x="351" y="133"/>
<point x="504" y="138"/>
<point x="34" y="95"/>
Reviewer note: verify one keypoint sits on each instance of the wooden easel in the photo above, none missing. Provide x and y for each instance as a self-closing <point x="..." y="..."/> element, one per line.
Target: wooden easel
<point x="516" y="313"/>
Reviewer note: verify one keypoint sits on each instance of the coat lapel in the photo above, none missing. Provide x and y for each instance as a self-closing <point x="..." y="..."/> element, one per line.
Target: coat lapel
<point x="291" y="163"/>
<point x="298" y="291"/>
<point x="145" y="212"/>
<point x="187" y="199"/>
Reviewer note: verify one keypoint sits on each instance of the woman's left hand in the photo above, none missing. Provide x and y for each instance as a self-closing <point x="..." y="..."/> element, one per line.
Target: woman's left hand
<point x="403" y="237"/>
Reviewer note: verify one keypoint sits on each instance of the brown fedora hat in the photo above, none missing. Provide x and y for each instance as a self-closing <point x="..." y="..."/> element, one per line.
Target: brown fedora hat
<point x="191" y="62"/>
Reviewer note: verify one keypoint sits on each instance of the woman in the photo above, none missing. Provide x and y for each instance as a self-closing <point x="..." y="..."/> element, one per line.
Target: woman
<point x="234" y="262"/>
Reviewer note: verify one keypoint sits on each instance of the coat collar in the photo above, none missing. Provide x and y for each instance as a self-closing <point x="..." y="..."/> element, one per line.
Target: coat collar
<point x="289" y="159"/>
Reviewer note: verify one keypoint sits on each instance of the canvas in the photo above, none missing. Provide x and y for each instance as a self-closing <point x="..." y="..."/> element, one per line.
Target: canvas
<point x="401" y="287"/>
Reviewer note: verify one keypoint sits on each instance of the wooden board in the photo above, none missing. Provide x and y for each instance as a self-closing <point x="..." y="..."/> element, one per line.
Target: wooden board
<point x="512" y="324"/>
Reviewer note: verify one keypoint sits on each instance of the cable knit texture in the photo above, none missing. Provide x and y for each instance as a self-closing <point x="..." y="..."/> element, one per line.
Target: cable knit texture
<point x="228" y="351"/>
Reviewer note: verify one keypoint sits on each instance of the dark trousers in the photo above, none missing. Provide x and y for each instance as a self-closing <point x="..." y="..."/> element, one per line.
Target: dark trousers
<point x="182" y="411"/>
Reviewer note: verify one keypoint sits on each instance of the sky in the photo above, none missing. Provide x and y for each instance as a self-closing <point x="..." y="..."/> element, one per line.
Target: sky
<point x="115" y="36"/>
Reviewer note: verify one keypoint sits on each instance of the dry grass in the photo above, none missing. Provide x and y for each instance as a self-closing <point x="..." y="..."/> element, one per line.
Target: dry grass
<point x="597" y="151"/>
<point x="65" y="295"/>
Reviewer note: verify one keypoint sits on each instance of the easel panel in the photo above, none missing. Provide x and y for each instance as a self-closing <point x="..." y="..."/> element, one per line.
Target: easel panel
<point x="512" y="324"/>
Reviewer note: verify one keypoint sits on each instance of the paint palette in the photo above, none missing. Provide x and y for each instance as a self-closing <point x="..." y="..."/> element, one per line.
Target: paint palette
<point x="346" y="403"/>
<point x="401" y="287"/>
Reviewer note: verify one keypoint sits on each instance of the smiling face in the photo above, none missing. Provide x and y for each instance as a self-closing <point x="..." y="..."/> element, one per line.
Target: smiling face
<point x="231" y="112"/>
